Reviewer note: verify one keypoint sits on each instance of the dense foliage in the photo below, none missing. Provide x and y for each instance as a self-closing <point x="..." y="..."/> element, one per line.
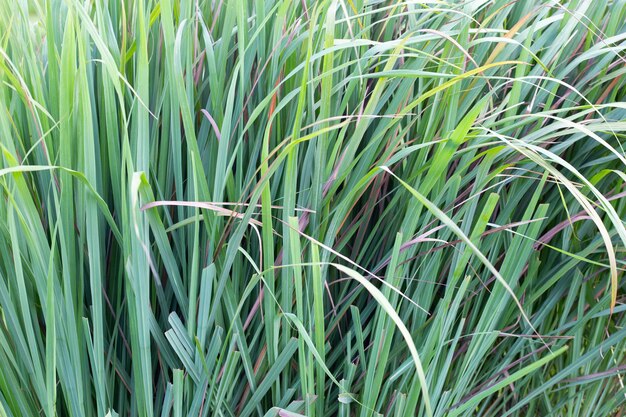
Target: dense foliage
<point x="321" y="208"/>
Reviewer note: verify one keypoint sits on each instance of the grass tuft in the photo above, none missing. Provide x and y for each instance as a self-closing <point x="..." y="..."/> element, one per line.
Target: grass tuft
<point x="349" y="208"/>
